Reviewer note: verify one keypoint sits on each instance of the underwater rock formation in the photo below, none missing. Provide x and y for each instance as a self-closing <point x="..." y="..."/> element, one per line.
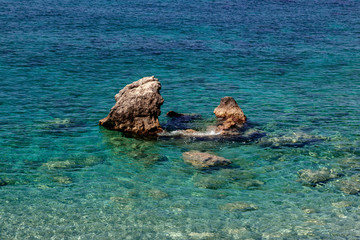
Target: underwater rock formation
<point x="137" y="108"/>
<point x="294" y="139"/>
<point x="3" y="182"/>
<point x="350" y="186"/>
<point x="204" y="160"/>
<point x="239" y="206"/>
<point x="312" y="178"/>
<point x="231" y="114"/>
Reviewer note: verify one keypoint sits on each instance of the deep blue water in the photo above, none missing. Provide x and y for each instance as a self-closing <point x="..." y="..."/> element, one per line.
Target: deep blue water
<point x="293" y="67"/>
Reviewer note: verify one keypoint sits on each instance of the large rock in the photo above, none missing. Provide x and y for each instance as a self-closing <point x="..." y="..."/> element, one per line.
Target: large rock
<point x="204" y="160"/>
<point x="231" y="114"/>
<point x="137" y="108"/>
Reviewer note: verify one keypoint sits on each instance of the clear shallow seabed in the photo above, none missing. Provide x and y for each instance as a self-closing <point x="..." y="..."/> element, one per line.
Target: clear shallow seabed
<point x="293" y="67"/>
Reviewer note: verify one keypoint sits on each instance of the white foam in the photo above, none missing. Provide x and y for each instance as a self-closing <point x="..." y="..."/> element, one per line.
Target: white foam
<point x="184" y="133"/>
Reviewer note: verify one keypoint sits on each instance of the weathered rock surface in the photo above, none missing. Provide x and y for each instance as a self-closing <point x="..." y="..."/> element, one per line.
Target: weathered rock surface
<point x="231" y="113"/>
<point x="204" y="160"/>
<point x="137" y="108"/>
<point x="312" y="178"/>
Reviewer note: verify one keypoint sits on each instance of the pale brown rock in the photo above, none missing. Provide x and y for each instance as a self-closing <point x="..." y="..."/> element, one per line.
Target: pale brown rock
<point x="231" y="115"/>
<point x="228" y="108"/>
<point x="137" y="108"/>
<point x="204" y="160"/>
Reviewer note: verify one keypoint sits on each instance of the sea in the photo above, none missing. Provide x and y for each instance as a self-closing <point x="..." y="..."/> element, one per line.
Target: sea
<point x="293" y="66"/>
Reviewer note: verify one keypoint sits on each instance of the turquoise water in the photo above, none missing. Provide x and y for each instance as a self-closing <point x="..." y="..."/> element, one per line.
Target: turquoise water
<point x="293" y="67"/>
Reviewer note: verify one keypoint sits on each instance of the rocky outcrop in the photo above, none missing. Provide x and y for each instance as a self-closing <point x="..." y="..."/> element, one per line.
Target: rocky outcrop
<point x="204" y="160"/>
<point x="231" y="114"/>
<point x="137" y="108"/>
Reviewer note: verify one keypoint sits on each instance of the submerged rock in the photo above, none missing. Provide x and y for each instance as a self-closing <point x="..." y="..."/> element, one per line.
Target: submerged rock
<point x="204" y="160"/>
<point x="295" y="139"/>
<point x="309" y="210"/>
<point x="157" y="194"/>
<point x="91" y="161"/>
<point x="350" y="186"/>
<point x="314" y="177"/>
<point x="209" y="181"/>
<point x="202" y="235"/>
<point x="239" y="206"/>
<point x="62" y="179"/>
<point x="3" y="182"/>
<point x="137" y="108"/>
<point x="53" y="165"/>
<point x="342" y="204"/>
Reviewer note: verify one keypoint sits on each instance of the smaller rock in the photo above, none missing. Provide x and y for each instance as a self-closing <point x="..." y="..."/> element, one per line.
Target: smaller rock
<point x="3" y="182"/>
<point x="209" y="181"/>
<point x="53" y="165"/>
<point x="315" y="221"/>
<point x="294" y="139"/>
<point x="342" y="204"/>
<point x="202" y="235"/>
<point x="239" y="206"/>
<point x="351" y="186"/>
<point x="157" y="194"/>
<point x="204" y="160"/>
<point x="232" y="116"/>
<point x="92" y="161"/>
<point x="236" y="231"/>
<point x="118" y="199"/>
<point x="251" y="184"/>
<point x="304" y="231"/>
<point x="309" y="210"/>
<point x="312" y="178"/>
<point x="229" y="109"/>
<point x="62" y="179"/>
<point x="351" y="164"/>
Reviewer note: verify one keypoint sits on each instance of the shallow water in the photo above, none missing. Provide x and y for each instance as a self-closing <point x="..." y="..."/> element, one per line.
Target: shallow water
<point x="293" y="67"/>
